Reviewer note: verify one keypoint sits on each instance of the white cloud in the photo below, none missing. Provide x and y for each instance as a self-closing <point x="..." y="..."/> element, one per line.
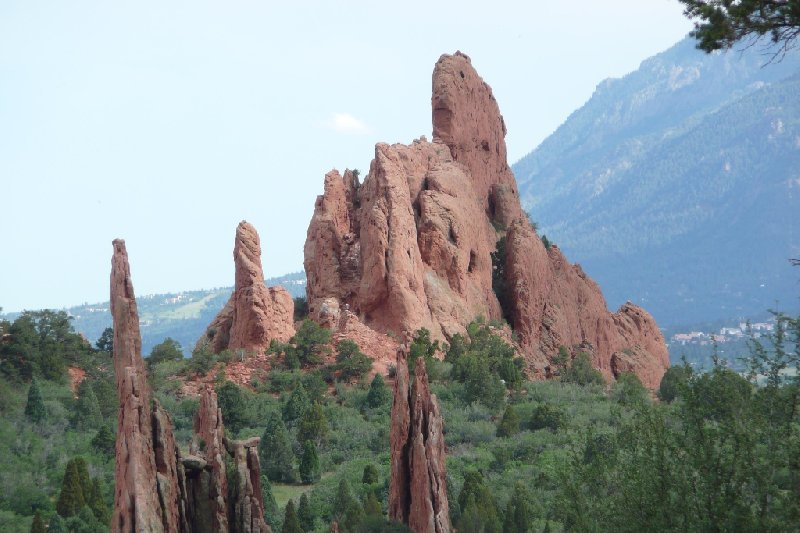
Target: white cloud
<point x="347" y="124"/>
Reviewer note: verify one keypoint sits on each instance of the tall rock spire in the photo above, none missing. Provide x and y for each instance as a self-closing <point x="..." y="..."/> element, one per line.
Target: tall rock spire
<point x="418" y="488"/>
<point x="255" y="314"/>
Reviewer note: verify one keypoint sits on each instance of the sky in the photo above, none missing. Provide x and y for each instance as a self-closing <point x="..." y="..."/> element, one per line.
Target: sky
<point x="166" y="123"/>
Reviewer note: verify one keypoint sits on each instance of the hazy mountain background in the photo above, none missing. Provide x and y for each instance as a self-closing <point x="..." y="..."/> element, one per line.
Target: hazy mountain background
<point x="678" y="186"/>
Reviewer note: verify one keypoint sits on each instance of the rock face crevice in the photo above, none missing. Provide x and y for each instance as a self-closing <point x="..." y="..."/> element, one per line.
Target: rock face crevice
<point x="411" y="247"/>
<point x="156" y="489"/>
<point x="418" y="488"/>
<point x="255" y="314"/>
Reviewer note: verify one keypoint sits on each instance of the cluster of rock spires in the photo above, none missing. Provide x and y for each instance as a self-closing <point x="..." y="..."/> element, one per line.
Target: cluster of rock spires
<point x="412" y="246"/>
<point x="156" y="488"/>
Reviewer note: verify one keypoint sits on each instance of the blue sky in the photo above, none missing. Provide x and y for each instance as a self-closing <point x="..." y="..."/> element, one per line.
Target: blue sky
<point x="166" y="123"/>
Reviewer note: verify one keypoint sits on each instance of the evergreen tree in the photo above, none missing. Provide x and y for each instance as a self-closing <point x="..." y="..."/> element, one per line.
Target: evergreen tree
<point x="350" y="361"/>
<point x="271" y="511"/>
<point x="305" y="514"/>
<point x="343" y="500"/>
<point x="104" y="441"/>
<point x="83" y="474"/>
<point x="313" y="425"/>
<point x="106" y="341"/>
<point x="582" y="372"/>
<point x="71" y="499"/>
<point x="372" y="507"/>
<point x="379" y="394"/>
<point x="475" y="494"/>
<point x="233" y="405"/>
<point x="168" y="350"/>
<point x="370" y="475"/>
<point x="56" y="525"/>
<point x="34" y="409"/>
<point x="97" y="503"/>
<point x="353" y="516"/>
<point x="675" y="378"/>
<point x="509" y="425"/>
<point x="87" y="410"/>
<point x="297" y="404"/>
<point x="518" y="511"/>
<point x="275" y="450"/>
<point x="37" y="526"/>
<point x="291" y="524"/>
<point x="309" y="463"/>
<point x="311" y="342"/>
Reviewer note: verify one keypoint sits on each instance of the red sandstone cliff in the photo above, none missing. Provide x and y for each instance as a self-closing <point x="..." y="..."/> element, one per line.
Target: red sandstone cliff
<point x="255" y="314"/>
<point x="411" y="246"/>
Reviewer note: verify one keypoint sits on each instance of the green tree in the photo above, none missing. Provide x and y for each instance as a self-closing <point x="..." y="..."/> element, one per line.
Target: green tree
<point x="71" y="498"/>
<point x="722" y="23"/>
<point x="291" y="524"/>
<point x="351" y="363"/>
<point x="421" y="346"/>
<point x="673" y="381"/>
<point x="628" y="390"/>
<point x="34" y="409"/>
<point x="313" y="425"/>
<point x="297" y="404"/>
<point x="309" y="463"/>
<point x="97" y="503"/>
<point x="106" y="341"/>
<point x="311" y="342"/>
<point x="168" y="350"/>
<point x="581" y="372"/>
<point x="275" y="450"/>
<point x="370" y="475"/>
<point x="37" y="526"/>
<point x="372" y="507"/>
<point x="547" y="416"/>
<point x="105" y="441"/>
<point x="343" y="500"/>
<point x="305" y="514"/>
<point x="271" y="511"/>
<point x="479" y="506"/>
<point x="233" y="405"/>
<point x="56" y="525"/>
<point x="519" y="514"/>
<point x="87" y="409"/>
<point x="379" y="394"/>
<point x="509" y="425"/>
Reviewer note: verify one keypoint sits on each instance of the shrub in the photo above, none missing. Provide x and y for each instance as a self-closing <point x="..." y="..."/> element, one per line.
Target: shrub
<point x="547" y="416"/>
<point x="673" y="381"/>
<point x="581" y="372"/>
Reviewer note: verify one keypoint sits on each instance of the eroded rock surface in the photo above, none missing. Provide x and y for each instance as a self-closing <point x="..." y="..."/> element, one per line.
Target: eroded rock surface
<point x="245" y="494"/>
<point x="417" y="489"/>
<point x="210" y="431"/>
<point x="412" y="246"/>
<point x="255" y="314"/>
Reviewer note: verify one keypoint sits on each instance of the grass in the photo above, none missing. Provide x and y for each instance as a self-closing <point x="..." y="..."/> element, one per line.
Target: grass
<point x="285" y="492"/>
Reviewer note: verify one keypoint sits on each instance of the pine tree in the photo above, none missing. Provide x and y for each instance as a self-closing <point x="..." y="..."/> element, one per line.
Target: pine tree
<point x="97" y="503"/>
<point x="34" y="409"/>
<point x="291" y="524"/>
<point x="372" y="507"/>
<point x="83" y="474"/>
<point x="475" y="494"/>
<point x="309" y="463"/>
<point x="104" y="441"/>
<point x="353" y="517"/>
<point x="518" y="511"/>
<point x="37" y="526"/>
<point x="313" y="426"/>
<point x="87" y="410"/>
<point x="233" y="406"/>
<point x="370" y="475"/>
<point x="305" y="514"/>
<point x="297" y="404"/>
<point x="71" y="499"/>
<point x="344" y="499"/>
<point x="56" y="525"/>
<point x="379" y="394"/>
<point x="275" y="450"/>
<point x="509" y="425"/>
<point x="271" y="511"/>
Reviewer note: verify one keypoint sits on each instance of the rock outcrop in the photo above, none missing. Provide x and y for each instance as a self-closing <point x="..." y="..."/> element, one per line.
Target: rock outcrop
<point x="412" y="246"/>
<point x="417" y="489"/>
<point x="146" y="489"/>
<point x="155" y="488"/>
<point x="208" y="428"/>
<point x="255" y="314"/>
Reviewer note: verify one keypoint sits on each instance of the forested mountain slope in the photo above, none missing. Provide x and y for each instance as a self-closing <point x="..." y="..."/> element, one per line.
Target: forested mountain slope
<point x="678" y="186"/>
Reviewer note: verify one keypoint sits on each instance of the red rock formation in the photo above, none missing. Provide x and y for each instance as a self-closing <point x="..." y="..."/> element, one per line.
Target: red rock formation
<point x="255" y="314"/>
<point x="209" y="429"/>
<point x="245" y="496"/>
<point x="417" y="490"/>
<point x="412" y="246"/>
<point x="145" y="490"/>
